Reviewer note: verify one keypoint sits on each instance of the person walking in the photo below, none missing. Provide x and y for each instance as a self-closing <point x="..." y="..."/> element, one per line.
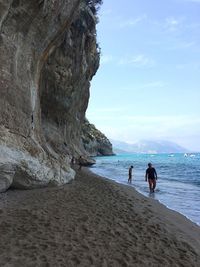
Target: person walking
<point x="130" y="174"/>
<point x="151" y="175"/>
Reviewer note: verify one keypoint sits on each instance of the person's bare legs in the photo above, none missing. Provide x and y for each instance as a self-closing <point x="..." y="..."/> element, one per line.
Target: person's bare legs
<point x="154" y="184"/>
<point x="151" y="189"/>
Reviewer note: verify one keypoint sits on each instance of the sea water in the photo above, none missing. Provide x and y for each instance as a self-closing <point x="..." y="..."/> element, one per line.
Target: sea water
<point x="178" y="184"/>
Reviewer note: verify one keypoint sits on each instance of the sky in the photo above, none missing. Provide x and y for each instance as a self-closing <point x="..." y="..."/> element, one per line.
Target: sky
<point x="148" y="83"/>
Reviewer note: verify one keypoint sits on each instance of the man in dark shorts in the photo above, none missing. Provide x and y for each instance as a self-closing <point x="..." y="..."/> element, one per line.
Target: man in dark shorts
<point x="152" y="177"/>
<point x="130" y="173"/>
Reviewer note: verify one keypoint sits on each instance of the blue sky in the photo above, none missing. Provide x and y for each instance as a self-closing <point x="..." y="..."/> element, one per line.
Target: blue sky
<point x="147" y="86"/>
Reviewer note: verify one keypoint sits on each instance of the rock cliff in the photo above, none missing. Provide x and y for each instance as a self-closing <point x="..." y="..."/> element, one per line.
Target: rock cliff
<point x="94" y="141"/>
<point x="48" y="54"/>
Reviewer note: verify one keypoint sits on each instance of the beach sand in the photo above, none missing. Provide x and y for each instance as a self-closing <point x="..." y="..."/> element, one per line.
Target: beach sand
<point x="93" y="222"/>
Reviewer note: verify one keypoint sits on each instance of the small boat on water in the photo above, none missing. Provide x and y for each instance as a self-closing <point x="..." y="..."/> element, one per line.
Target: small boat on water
<point x="189" y="155"/>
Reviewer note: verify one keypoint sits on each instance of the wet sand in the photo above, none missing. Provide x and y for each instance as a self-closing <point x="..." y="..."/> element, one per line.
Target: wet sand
<point x="93" y="222"/>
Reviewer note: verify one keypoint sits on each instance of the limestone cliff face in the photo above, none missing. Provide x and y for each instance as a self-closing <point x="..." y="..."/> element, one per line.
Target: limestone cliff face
<point x="65" y="84"/>
<point x="48" y="56"/>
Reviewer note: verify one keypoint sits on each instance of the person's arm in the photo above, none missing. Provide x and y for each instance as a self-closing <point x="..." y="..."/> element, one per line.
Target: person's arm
<point x="146" y="176"/>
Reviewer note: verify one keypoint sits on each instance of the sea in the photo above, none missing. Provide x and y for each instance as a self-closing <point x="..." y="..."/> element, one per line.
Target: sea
<point x="178" y="184"/>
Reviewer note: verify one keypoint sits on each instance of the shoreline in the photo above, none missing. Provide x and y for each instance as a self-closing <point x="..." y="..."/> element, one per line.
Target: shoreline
<point x="146" y="193"/>
<point x="93" y="221"/>
<point x="146" y="196"/>
<point x="152" y="200"/>
<point x="165" y="205"/>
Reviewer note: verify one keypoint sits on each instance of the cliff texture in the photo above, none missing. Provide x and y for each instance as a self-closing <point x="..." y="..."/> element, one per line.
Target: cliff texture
<point x="94" y="141"/>
<point x="48" y="56"/>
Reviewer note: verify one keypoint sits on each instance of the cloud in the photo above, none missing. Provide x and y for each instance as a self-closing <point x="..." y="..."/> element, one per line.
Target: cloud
<point x="104" y="59"/>
<point x="139" y="60"/>
<point x="154" y="84"/>
<point x="177" y="121"/>
<point x="106" y="114"/>
<point x="162" y="122"/>
<point x="132" y="128"/>
<point x="187" y="44"/>
<point x="173" y="24"/>
<point x="117" y="22"/>
<point x="106" y="12"/>
<point x="182" y="45"/>
<point x="192" y="1"/>
<point x="195" y="66"/>
<point x="109" y="109"/>
<point x="132" y="21"/>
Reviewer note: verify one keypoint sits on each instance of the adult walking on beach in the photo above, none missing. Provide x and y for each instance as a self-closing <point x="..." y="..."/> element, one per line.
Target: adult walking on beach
<point x="151" y="175"/>
<point x="130" y="174"/>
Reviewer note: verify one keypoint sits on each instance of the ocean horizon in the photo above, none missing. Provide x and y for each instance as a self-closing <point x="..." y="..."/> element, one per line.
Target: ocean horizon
<point x="178" y="184"/>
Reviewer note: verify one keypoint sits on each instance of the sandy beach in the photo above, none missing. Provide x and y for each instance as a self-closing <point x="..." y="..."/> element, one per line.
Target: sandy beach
<point x="93" y="222"/>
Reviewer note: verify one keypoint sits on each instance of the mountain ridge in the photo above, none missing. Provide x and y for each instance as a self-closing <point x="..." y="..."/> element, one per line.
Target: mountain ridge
<point x="148" y="146"/>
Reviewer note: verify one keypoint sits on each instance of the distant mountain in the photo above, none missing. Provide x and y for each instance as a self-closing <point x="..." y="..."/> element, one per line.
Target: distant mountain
<point x="119" y="151"/>
<point x="147" y="146"/>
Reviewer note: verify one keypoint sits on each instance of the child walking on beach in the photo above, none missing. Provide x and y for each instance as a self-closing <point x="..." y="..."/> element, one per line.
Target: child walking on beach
<point x="130" y="174"/>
